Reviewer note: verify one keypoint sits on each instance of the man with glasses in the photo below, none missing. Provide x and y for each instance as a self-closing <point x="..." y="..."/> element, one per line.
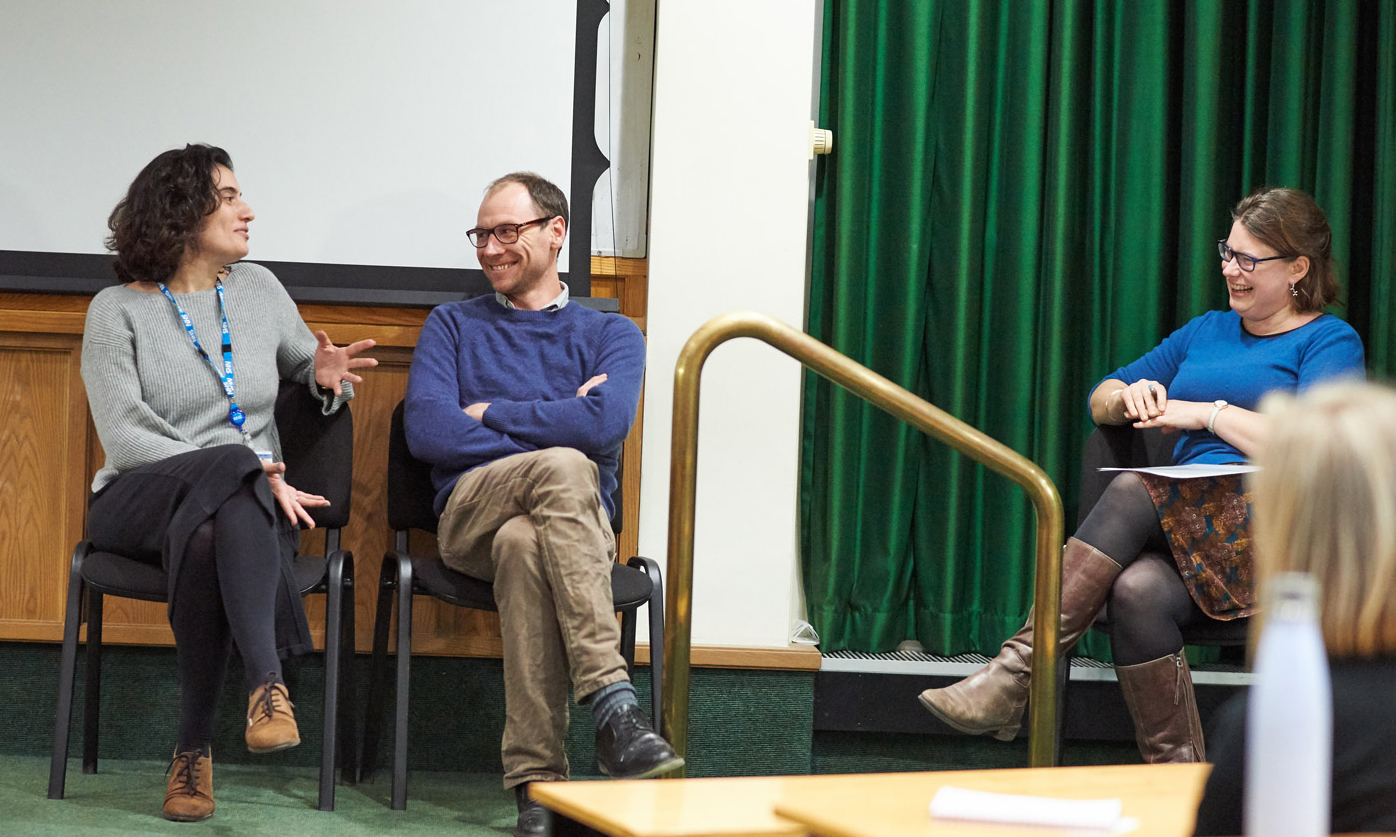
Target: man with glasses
<point x="520" y="401"/>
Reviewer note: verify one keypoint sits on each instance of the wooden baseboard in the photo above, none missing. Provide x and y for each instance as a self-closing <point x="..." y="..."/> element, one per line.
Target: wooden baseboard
<point x="793" y="658"/>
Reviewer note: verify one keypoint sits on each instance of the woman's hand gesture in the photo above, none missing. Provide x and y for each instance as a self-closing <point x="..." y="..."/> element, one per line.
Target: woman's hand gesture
<point x="293" y="502"/>
<point x="332" y="363"/>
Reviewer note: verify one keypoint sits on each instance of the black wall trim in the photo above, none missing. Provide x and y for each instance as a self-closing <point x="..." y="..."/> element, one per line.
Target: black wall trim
<point x="332" y="284"/>
<point x="588" y="161"/>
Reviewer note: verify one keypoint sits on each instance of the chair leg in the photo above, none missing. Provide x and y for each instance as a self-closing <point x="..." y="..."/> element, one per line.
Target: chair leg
<point x="67" y="671"/>
<point x="404" y="664"/>
<point x="655" y="611"/>
<point x="329" y="737"/>
<point x="378" y="671"/>
<point x="348" y="712"/>
<point x="92" y="700"/>
<point x="628" y="618"/>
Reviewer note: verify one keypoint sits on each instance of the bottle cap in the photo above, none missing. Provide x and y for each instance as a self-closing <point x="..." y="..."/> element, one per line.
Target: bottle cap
<point x="1292" y="596"/>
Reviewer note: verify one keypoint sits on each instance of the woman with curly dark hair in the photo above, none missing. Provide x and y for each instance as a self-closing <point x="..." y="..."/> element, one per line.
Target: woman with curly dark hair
<point x="182" y="362"/>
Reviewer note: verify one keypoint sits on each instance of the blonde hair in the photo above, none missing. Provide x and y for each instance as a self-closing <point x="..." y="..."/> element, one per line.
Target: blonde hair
<point x="1325" y="503"/>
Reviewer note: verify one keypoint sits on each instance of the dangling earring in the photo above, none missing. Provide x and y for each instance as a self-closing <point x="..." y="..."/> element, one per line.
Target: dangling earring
<point x="1294" y="290"/>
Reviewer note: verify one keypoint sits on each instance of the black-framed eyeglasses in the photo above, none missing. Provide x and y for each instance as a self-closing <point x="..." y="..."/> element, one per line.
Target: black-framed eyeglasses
<point x="504" y="233"/>
<point x="1245" y="261"/>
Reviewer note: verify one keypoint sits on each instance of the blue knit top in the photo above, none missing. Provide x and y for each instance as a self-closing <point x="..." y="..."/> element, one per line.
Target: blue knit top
<point x="528" y="365"/>
<point x="1213" y="357"/>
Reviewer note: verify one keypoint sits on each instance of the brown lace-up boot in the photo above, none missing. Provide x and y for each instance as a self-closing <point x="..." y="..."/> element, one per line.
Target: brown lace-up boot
<point x="270" y="724"/>
<point x="189" y="794"/>
<point x="1161" y="701"/>
<point x="991" y="701"/>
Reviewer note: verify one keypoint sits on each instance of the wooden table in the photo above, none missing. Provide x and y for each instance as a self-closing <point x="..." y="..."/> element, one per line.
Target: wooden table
<point x="1162" y="797"/>
<point x="740" y="807"/>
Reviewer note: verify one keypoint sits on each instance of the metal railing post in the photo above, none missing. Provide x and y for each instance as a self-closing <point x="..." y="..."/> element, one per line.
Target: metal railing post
<point x="882" y="393"/>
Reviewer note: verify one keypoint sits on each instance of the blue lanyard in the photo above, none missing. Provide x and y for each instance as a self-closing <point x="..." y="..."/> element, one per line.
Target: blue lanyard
<point x="224" y="373"/>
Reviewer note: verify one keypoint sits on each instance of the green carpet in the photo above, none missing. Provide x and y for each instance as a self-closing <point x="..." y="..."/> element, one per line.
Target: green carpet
<point x="125" y="798"/>
<point x="741" y="723"/>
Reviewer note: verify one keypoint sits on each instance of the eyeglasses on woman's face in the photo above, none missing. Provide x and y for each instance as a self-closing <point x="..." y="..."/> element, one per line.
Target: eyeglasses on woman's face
<point x="1245" y="261"/>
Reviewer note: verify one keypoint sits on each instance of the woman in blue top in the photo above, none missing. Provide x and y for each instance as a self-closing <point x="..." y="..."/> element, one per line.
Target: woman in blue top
<point x="1170" y="552"/>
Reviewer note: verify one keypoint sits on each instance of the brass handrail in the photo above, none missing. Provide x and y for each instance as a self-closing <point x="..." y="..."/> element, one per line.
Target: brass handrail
<point x="877" y="390"/>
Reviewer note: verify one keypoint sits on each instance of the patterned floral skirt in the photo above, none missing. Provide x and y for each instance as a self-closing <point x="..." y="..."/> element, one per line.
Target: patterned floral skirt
<point x="1207" y="523"/>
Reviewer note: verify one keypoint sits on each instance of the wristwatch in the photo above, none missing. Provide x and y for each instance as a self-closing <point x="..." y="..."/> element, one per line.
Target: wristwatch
<point x="1217" y="407"/>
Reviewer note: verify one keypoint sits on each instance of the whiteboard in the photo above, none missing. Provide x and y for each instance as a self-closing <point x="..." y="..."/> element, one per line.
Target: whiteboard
<point x="362" y="133"/>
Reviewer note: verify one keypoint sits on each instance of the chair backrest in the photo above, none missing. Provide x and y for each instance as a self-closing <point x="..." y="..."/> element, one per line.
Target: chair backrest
<point x="412" y="494"/>
<point x="318" y="450"/>
<point x="1118" y="446"/>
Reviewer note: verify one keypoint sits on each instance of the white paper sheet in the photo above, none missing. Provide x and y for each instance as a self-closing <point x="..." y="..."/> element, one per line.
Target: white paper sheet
<point x="1185" y="472"/>
<point x="1103" y="815"/>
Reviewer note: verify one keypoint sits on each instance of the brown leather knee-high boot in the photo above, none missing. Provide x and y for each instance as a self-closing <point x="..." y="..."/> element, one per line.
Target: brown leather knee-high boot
<point x="1161" y="702"/>
<point x="991" y="701"/>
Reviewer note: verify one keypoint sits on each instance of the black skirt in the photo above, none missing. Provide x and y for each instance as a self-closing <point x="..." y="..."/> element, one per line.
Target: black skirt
<point x="149" y="513"/>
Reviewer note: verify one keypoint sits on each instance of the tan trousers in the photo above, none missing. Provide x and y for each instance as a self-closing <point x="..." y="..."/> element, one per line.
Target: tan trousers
<point x="533" y="524"/>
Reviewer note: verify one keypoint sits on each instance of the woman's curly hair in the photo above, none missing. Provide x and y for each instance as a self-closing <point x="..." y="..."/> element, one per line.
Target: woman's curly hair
<point x="163" y="211"/>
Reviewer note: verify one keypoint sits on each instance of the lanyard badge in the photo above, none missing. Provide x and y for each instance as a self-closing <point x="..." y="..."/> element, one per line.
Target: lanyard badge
<point x="225" y="372"/>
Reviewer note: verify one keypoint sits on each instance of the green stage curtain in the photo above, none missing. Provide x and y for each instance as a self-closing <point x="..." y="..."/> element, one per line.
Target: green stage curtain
<point x="1023" y="197"/>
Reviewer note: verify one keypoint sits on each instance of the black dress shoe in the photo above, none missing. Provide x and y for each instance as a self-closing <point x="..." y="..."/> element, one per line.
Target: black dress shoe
<point x="627" y="747"/>
<point x="534" y="819"/>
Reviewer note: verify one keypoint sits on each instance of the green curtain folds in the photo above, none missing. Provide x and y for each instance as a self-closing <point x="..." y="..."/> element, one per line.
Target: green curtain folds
<point x="1025" y="196"/>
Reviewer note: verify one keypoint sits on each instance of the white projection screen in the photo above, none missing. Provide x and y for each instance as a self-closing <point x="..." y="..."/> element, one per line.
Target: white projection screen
<point x="363" y="133"/>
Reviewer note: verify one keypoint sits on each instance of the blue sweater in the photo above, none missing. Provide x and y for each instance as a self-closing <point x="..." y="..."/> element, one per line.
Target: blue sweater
<point x="528" y="365"/>
<point x="1213" y="357"/>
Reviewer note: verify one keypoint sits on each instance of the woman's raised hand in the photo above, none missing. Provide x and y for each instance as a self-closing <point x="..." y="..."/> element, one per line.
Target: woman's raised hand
<point x="332" y="363"/>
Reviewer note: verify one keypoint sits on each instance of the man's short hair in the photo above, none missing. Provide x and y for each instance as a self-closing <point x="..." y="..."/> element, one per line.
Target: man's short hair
<point x="546" y="196"/>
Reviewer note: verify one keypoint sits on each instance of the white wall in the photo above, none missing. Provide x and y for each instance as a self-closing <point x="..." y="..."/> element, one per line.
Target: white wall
<point x="728" y="215"/>
<point x="729" y="198"/>
<point x="363" y="132"/>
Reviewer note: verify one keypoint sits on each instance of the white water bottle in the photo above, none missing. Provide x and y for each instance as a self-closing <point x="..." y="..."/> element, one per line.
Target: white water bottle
<point x="1289" y="719"/>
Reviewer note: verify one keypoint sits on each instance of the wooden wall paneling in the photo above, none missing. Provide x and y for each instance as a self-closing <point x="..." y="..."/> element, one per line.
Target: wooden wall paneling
<point x="41" y="521"/>
<point x="627" y="280"/>
<point x="42" y="447"/>
<point x="368" y="535"/>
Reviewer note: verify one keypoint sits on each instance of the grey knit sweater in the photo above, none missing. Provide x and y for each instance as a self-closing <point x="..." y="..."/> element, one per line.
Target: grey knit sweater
<point x="152" y="396"/>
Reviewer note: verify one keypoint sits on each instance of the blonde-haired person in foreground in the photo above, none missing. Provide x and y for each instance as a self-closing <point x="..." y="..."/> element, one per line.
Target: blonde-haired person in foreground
<point x="1325" y="503"/>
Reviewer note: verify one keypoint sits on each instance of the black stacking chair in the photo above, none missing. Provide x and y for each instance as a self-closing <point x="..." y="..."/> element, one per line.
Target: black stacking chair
<point x="1123" y="446"/>
<point x="410" y="497"/>
<point x="318" y="451"/>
